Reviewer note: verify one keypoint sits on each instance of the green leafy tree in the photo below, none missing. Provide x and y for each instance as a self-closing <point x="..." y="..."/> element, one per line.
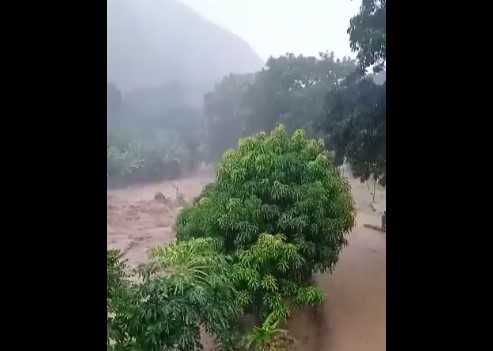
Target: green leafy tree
<point x="355" y="110"/>
<point x="184" y="286"/>
<point x="356" y="126"/>
<point x="290" y="91"/>
<point x="226" y="113"/>
<point x="276" y="184"/>
<point x="368" y="34"/>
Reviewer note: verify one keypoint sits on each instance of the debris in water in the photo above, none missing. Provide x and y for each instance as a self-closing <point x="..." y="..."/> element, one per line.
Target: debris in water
<point x="159" y="197"/>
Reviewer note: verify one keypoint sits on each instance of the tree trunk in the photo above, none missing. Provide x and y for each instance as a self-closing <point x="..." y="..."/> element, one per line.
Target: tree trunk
<point x="374" y="187"/>
<point x="368" y="185"/>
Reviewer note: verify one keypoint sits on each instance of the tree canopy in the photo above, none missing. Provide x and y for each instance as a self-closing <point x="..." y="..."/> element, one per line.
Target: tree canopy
<point x="281" y="211"/>
<point x="356" y="125"/>
<point x="368" y="34"/>
<point x="355" y="111"/>
<point x="274" y="183"/>
<point x="289" y="90"/>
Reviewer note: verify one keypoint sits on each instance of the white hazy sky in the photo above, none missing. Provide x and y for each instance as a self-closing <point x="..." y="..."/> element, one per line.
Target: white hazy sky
<point x="274" y="27"/>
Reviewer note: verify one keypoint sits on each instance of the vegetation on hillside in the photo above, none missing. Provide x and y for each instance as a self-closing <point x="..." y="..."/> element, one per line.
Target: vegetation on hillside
<point x="150" y="139"/>
<point x="131" y="161"/>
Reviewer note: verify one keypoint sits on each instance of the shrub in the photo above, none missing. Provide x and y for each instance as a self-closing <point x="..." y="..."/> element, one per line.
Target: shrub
<point x="184" y="286"/>
<point x="276" y="184"/>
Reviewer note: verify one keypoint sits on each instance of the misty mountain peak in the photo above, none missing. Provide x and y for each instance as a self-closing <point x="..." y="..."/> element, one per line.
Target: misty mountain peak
<point x="154" y="42"/>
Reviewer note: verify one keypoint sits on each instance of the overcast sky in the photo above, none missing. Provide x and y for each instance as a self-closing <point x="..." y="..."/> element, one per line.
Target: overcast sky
<point x="274" y="27"/>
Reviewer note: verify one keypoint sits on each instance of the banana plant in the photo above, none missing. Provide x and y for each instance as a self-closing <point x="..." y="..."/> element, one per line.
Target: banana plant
<point x="121" y="162"/>
<point x="263" y="338"/>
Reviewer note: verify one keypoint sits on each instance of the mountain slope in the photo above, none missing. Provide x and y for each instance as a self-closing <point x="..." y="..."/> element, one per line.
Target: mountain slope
<point x="154" y="42"/>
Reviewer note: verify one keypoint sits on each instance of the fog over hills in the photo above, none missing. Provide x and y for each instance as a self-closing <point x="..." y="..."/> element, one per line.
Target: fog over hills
<point x="157" y="42"/>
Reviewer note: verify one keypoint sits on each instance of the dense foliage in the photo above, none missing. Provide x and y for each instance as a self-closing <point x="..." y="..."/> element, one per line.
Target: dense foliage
<point x="189" y="285"/>
<point x="131" y="161"/>
<point x="355" y="112"/>
<point x="289" y="90"/>
<point x="368" y="34"/>
<point x="356" y="124"/>
<point x="153" y="134"/>
<point x="267" y="275"/>
<point x="275" y="184"/>
<point x="183" y="287"/>
<point x="268" y="337"/>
